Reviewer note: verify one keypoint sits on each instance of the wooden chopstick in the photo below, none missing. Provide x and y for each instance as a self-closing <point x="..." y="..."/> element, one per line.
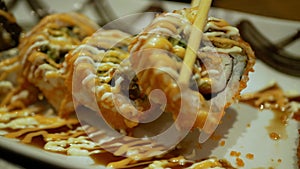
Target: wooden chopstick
<point x="195" y="3"/>
<point x="194" y="40"/>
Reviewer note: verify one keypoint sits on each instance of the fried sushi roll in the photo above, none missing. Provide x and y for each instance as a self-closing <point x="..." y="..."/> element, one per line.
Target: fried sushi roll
<point x="42" y="56"/>
<point x="221" y="55"/>
<point x="94" y="75"/>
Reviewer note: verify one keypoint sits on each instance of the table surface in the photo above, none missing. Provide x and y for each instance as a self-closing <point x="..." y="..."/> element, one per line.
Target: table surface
<point x="287" y="9"/>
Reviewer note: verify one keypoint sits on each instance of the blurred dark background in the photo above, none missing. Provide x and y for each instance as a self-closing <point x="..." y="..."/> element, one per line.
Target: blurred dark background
<point x="284" y="9"/>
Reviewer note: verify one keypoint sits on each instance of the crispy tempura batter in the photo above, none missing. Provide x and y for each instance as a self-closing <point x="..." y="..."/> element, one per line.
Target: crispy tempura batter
<point x="168" y="32"/>
<point x="91" y="68"/>
<point x="40" y="61"/>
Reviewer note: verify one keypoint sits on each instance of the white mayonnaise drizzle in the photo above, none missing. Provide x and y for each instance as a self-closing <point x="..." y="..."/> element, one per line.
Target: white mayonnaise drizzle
<point x="234" y="49"/>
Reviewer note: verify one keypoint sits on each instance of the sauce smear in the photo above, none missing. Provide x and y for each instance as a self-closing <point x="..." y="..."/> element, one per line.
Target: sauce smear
<point x="272" y="98"/>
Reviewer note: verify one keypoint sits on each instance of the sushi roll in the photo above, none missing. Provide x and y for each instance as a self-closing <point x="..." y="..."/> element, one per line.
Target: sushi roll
<point x="221" y="69"/>
<point x="41" y="56"/>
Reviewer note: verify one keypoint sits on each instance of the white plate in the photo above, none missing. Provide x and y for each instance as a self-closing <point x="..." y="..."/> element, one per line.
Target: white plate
<point x="233" y="130"/>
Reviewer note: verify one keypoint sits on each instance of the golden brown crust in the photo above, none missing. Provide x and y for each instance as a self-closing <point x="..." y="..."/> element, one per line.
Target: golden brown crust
<point x="100" y="49"/>
<point x="223" y="36"/>
<point x="40" y="60"/>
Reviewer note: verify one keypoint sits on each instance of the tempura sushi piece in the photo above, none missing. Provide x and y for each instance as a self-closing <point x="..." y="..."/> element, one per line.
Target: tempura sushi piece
<point x="221" y="69"/>
<point x="42" y="56"/>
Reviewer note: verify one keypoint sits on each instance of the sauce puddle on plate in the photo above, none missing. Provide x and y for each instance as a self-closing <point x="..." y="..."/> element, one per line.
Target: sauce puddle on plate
<point x="277" y="125"/>
<point x="273" y="98"/>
